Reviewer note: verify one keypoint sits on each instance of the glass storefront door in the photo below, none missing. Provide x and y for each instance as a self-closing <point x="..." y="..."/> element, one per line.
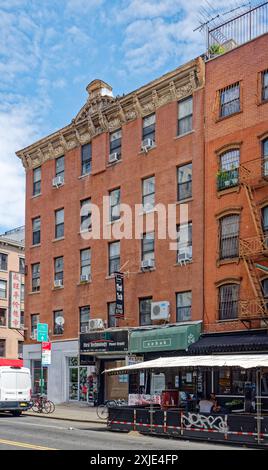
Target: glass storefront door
<point x="73" y="383"/>
<point x="82" y="385"/>
<point x="36" y="377"/>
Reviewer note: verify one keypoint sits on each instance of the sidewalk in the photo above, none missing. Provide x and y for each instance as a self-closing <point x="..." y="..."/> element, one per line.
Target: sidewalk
<point x="71" y="412"/>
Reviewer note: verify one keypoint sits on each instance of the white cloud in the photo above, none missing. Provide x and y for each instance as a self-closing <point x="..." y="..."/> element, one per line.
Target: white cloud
<point x="17" y="129"/>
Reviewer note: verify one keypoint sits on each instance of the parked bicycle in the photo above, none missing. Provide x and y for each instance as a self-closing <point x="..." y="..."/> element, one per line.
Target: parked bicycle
<point x="103" y="410"/>
<point x="41" y="404"/>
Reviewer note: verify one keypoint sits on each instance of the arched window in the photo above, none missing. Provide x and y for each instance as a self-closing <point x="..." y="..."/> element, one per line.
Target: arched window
<point x="265" y="156"/>
<point x="228" y="301"/>
<point x="264" y="213"/>
<point x="229" y="236"/>
<point x="229" y="169"/>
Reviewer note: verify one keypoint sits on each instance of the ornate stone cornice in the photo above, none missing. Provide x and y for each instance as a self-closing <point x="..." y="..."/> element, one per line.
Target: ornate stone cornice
<point x="104" y="113"/>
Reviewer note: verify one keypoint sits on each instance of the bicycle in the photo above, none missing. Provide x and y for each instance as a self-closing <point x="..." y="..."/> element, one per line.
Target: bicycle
<point x="42" y="405"/>
<point x="103" y="410"/>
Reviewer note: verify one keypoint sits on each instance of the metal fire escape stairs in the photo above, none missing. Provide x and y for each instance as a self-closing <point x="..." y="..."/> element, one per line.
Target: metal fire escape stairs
<point x="252" y="250"/>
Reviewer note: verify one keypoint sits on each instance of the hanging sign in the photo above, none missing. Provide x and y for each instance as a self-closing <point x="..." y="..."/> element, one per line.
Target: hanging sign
<point x="119" y="295"/>
<point x="46" y="354"/>
<point x="15" y="300"/>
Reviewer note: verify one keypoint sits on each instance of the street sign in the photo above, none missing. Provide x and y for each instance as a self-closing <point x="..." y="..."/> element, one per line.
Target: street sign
<point x="42" y="332"/>
<point x="46" y="354"/>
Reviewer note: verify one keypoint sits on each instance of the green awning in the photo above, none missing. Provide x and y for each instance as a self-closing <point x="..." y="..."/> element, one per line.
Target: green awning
<point x="170" y="338"/>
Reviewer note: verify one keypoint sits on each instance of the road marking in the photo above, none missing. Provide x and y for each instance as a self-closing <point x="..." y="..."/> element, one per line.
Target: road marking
<point x="24" y="444"/>
<point x="7" y="423"/>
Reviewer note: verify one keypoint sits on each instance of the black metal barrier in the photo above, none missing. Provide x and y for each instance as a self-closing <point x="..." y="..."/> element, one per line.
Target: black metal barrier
<point x="236" y="428"/>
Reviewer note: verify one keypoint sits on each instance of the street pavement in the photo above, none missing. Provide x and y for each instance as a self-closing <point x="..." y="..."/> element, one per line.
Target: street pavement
<point x="35" y="433"/>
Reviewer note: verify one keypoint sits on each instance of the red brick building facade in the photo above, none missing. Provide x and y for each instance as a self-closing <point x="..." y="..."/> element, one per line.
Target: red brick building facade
<point x="174" y="104"/>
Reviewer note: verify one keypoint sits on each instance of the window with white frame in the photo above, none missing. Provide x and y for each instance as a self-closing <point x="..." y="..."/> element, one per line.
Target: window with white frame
<point x="115" y="143"/>
<point x="3" y="289"/>
<point x="111" y="315"/>
<point x="58" y="269"/>
<point x="37" y="181"/>
<point x="85" y="264"/>
<point x="265" y="85"/>
<point x="85" y="215"/>
<point x="185" y="116"/>
<point x="58" y="322"/>
<point x="35" y="277"/>
<point x="145" y="311"/>
<point x="148" y="247"/>
<point x="265" y="156"/>
<point x="148" y="127"/>
<point x="36" y="226"/>
<point x="34" y="322"/>
<point x="229" y="236"/>
<point x="114" y="257"/>
<point x="59" y="223"/>
<point x="84" y="318"/>
<point x="3" y="262"/>
<point x="184" y="174"/>
<point x="184" y="306"/>
<point x="185" y="243"/>
<point x="148" y="193"/>
<point x="230" y="100"/>
<point x="86" y="159"/>
<point x="59" y="164"/>
<point x="114" y="196"/>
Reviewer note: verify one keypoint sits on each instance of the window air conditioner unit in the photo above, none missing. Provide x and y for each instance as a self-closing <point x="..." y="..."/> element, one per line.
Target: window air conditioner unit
<point x="84" y="278"/>
<point x="160" y="310"/>
<point x="96" y="324"/>
<point x="84" y="328"/>
<point x="113" y="157"/>
<point x="147" y="264"/>
<point x="147" y="144"/>
<point x="185" y="256"/>
<point x="58" y="283"/>
<point x="57" y="181"/>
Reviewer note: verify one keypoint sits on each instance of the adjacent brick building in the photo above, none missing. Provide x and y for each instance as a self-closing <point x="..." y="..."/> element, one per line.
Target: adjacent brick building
<point x="143" y="148"/>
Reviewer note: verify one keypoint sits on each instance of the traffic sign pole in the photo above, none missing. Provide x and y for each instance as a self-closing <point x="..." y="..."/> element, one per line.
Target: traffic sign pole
<point x="42" y="372"/>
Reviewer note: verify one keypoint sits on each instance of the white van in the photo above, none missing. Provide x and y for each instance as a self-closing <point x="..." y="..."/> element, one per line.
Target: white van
<point x="15" y="389"/>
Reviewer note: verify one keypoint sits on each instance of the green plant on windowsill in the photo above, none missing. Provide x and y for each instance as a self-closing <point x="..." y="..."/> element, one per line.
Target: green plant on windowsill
<point x="216" y="49"/>
<point x="223" y="178"/>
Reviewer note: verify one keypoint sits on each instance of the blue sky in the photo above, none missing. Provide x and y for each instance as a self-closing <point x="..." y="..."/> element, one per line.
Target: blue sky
<point x="51" y="49"/>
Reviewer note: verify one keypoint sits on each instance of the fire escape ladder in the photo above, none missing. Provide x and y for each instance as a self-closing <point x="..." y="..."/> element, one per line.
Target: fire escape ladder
<point x="254" y="212"/>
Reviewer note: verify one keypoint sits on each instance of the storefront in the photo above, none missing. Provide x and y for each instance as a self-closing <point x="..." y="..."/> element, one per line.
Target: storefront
<point x="107" y="349"/>
<point x="154" y="342"/>
<point x="246" y="425"/>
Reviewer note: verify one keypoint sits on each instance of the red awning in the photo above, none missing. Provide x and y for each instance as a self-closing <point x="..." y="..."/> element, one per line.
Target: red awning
<point x="11" y="362"/>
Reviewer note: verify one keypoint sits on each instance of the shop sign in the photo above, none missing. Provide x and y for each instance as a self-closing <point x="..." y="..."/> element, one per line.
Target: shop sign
<point x="157" y="343"/>
<point x="86" y="360"/>
<point x="142" y="399"/>
<point x="134" y="359"/>
<point x="46" y="354"/>
<point x="104" y="341"/>
<point x="15" y="300"/>
<point x="119" y="295"/>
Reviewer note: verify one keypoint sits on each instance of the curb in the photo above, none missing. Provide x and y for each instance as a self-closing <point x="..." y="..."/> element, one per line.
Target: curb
<point x="40" y="415"/>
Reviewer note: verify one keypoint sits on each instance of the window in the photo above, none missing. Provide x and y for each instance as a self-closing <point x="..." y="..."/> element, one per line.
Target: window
<point x="58" y="322"/>
<point x="22" y="292"/>
<point x="114" y="204"/>
<point x="185" y="245"/>
<point x="148" y="246"/>
<point x="265" y="85"/>
<point x="59" y="223"/>
<point x="145" y="311"/>
<point x="114" y="257"/>
<point x="22" y="319"/>
<point x="36" y="225"/>
<point x="37" y="181"/>
<point x="85" y="263"/>
<point x="264" y="284"/>
<point x="34" y="322"/>
<point x="184" y="306"/>
<point x="20" y="349"/>
<point x="115" y="143"/>
<point x="3" y="289"/>
<point x="265" y="220"/>
<point x="86" y="159"/>
<point x="3" y="317"/>
<point x="58" y="267"/>
<point x="85" y="215"/>
<point x="22" y="265"/>
<point x="148" y="127"/>
<point x="185" y="116"/>
<point x="230" y="100"/>
<point x="60" y="166"/>
<point x="36" y="277"/>
<point x="3" y="262"/>
<point x="111" y="315"/>
<point x="265" y="157"/>
<point x="148" y="193"/>
<point x="2" y="347"/>
<point x="229" y="237"/>
<point x="229" y="169"/>
<point x="84" y="318"/>
<point x="184" y="182"/>
<point x="228" y="301"/>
